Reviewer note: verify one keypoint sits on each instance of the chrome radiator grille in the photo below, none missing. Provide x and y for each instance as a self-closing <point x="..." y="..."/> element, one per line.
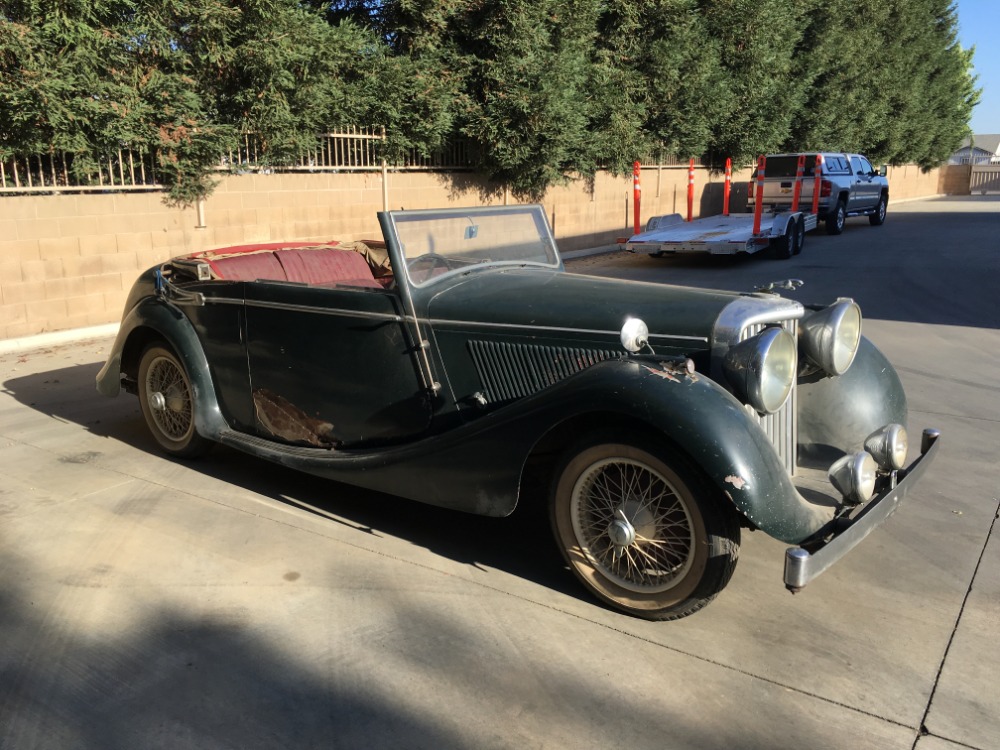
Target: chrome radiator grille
<point x="510" y="371"/>
<point x="781" y="427"/>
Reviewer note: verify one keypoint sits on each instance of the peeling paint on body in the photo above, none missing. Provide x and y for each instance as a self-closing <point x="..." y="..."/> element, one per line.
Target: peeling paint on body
<point x="288" y="422"/>
<point x="737" y="482"/>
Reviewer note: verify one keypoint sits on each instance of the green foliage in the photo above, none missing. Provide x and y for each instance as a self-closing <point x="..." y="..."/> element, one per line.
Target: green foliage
<point x="545" y="89"/>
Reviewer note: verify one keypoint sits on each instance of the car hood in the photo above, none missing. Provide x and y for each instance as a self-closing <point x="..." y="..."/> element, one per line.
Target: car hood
<point x="543" y="299"/>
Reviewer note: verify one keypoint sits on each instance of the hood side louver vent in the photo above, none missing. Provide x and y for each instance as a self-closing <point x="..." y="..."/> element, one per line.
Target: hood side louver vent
<point x="511" y="371"/>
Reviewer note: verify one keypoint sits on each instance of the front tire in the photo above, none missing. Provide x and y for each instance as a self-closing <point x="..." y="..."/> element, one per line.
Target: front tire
<point x="648" y="537"/>
<point x="167" y="403"/>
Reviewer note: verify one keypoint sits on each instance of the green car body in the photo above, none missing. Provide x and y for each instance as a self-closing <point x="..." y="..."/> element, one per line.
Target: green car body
<point x="481" y="362"/>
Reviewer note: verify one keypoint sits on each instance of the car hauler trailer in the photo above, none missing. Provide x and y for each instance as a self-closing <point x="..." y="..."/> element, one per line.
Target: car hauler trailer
<point x="781" y="231"/>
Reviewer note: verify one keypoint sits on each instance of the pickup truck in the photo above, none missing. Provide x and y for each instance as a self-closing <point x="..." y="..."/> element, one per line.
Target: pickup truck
<point x="849" y="186"/>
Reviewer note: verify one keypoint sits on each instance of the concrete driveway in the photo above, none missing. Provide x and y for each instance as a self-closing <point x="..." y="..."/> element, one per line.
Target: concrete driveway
<point x="227" y="602"/>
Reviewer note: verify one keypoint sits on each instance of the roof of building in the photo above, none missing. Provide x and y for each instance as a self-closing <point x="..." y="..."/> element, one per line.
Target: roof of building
<point x="989" y="142"/>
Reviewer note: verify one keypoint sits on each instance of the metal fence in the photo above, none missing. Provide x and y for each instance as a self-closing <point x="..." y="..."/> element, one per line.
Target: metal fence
<point x="985" y="178"/>
<point x="56" y="172"/>
<point x="346" y="150"/>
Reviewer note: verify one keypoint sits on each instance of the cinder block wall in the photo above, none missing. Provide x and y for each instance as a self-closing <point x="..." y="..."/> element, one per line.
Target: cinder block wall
<point x="67" y="261"/>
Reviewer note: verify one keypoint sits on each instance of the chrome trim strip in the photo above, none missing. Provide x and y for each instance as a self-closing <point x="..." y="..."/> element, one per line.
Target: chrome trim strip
<point x="322" y="310"/>
<point x="802" y="566"/>
<point x="434" y="321"/>
<point x="558" y="329"/>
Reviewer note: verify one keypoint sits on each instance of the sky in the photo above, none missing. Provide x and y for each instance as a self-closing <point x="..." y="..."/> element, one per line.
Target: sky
<point x="979" y="25"/>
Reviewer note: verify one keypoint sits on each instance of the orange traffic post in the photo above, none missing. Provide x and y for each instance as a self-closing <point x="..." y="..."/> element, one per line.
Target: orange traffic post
<point x="759" y="204"/>
<point x="817" y="182"/>
<point x="691" y="190"/>
<point x="636" y="198"/>
<point x="800" y="172"/>
<point x="727" y="187"/>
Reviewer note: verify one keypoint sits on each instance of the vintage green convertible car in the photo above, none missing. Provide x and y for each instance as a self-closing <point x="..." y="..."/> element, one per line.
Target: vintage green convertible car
<point x="456" y="362"/>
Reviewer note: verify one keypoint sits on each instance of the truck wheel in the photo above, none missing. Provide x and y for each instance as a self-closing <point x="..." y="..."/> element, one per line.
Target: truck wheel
<point x="648" y="537"/>
<point x="877" y="219"/>
<point x="784" y="245"/>
<point x="835" y="221"/>
<point x="165" y="397"/>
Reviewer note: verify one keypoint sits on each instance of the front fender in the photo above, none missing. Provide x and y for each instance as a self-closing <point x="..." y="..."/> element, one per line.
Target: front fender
<point x="162" y="320"/>
<point x="478" y="467"/>
<point x="836" y="414"/>
<point x="717" y="434"/>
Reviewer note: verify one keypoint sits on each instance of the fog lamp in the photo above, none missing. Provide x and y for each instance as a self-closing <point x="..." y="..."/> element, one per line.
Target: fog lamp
<point x="888" y="446"/>
<point x="854" y="477"/>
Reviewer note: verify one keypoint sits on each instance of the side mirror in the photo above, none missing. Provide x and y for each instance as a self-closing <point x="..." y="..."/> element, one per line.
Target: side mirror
<point x="883" y="171"/>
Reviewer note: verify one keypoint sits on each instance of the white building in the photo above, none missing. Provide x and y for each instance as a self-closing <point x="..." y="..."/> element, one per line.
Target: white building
<point x="980" y="149"/>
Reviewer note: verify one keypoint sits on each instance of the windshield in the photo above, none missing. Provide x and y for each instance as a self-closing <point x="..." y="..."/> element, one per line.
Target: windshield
<point x="438" y="242"/>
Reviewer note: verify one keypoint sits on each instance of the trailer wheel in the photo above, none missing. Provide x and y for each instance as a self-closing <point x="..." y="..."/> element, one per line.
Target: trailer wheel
<point x="784" y="246"/>
<point x="835" y="221"/>
<point x="800" y="236"/>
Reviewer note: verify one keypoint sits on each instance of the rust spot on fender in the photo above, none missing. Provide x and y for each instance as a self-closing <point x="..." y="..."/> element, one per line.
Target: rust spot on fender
<point x="286" y="421"/>
<point x="737" y="482"/>
<point x="674" y="371"/>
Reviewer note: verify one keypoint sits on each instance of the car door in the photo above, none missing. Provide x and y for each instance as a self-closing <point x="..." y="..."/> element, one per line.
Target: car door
<point x="331" y="365"/>
<point x="862" y="196"/>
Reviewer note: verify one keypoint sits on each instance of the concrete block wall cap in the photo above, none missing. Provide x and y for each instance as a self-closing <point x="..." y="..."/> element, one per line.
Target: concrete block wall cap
<point x="55" y="338"/>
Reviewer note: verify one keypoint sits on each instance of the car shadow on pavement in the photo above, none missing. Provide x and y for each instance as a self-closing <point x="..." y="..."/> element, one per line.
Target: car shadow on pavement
<point x="521" y="544"/>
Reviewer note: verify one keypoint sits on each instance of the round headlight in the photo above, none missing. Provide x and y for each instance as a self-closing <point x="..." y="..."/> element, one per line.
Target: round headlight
<point x="762" y="369"/>
<point x="831" y="336"/>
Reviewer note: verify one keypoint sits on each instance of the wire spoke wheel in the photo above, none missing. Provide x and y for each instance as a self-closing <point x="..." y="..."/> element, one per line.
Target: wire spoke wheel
<point x="648" y="537"/>
<point x="632" y="525"/>
<point x="165" y="396"/>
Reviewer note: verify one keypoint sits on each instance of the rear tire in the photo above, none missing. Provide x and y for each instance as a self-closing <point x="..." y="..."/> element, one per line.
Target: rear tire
<point x="651" y="538"/>
<point x="877" y="219"/>
<point x="835" y="221"/>
<point x="167" y="403"/>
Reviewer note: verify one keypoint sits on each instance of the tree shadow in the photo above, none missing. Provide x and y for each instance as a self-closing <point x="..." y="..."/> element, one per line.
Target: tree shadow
<point x="521" y="544"/>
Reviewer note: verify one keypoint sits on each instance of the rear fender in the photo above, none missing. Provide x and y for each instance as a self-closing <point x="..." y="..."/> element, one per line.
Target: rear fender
<point x="168" y="323"/>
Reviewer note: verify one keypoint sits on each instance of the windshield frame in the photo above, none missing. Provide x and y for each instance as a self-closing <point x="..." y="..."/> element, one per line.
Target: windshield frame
<point x="533" y="225"/>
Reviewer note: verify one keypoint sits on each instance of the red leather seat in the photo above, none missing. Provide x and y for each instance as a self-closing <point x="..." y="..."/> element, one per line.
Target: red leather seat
<point x="326" y="266"/>
<point x="248" y="267"/>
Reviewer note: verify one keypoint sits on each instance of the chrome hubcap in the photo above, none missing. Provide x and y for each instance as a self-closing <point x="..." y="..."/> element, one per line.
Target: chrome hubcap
<point x="157" y="401"/>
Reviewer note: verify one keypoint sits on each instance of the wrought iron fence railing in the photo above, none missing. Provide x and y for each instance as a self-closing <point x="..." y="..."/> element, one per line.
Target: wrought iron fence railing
<point x="346" y="150"/>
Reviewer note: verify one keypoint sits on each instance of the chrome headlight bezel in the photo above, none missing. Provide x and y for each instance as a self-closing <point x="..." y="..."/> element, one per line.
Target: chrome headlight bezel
<point x="763" y="368"/>
<point x="854" y="476"/>
<point x="888" y="446"/>
<point x="830" y="337"/>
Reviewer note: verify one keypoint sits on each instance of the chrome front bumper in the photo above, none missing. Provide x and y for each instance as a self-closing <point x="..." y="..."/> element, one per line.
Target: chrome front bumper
<point x="802" y="565"/>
